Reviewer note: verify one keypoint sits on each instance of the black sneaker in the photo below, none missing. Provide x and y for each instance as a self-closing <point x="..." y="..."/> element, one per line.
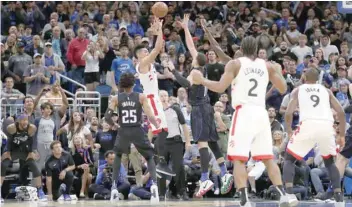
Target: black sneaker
<point x="338" y="197"/>
<point x="163" y="168"/>
<point x="98" y="196"/>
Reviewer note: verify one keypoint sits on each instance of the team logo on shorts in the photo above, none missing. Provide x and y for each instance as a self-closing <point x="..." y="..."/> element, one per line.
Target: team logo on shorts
<point x="232" y="143"/>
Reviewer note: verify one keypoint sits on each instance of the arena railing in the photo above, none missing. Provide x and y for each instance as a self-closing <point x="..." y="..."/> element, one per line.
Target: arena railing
<point x="88" y="99"/>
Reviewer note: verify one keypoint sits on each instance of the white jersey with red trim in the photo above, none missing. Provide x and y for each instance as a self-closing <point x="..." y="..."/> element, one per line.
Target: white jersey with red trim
<point x="250" y="84"/>
<point x="149" y="81"/>
<point x="314" y="103"/>
<point x="150" y="85"/>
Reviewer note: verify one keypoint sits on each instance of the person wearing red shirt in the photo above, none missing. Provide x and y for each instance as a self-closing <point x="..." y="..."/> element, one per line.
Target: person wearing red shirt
<point x="75" y="51"/>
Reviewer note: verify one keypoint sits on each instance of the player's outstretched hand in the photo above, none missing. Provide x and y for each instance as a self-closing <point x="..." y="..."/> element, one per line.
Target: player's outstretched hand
<point x="197" y="77"/>
<point x="203" y="23"/>
<point x="184" y="23"/>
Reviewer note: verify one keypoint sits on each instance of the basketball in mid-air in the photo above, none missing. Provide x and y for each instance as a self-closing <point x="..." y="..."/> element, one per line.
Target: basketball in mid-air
<point x="160" y="9"/>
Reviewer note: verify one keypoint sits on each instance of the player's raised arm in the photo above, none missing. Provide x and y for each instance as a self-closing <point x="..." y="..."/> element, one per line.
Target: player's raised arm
<point x="150" y="58"/>
<point x="231" y="69"/>
<point x="215" y="45"/>
<point x="189" y="41"/>
<point x="292" y="106"/>
<point x="112" y="106"/>
<point x="148" y="110"/>
<point x="340" y="113"/>
<point x="276" y="78"/>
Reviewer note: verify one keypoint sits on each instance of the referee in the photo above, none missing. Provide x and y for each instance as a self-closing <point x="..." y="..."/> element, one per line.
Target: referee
<point x="174" y="145"/>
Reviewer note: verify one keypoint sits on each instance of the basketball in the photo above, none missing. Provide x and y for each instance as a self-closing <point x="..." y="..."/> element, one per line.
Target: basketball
<point x="160" y="9"/>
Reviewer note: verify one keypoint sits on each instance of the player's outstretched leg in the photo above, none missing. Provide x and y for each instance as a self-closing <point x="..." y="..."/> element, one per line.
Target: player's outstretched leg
<point x="205" y="184"/>
<point x="226" y="178"/>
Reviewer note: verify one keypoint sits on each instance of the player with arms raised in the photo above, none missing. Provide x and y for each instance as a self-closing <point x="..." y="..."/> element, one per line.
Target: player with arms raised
<point x="250" y="130"/>
<point x="149" y="80"/>
<point x="316" y="127"/>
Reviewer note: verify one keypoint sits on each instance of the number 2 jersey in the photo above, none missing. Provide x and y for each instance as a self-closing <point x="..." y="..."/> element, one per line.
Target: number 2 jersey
<point x="314" y="103"/>
<point x="130" y="110"/>
<point x="249" y="86"/>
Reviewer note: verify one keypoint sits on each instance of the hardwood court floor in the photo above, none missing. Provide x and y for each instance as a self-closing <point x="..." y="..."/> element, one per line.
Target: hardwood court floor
<point x="200" y="203"/>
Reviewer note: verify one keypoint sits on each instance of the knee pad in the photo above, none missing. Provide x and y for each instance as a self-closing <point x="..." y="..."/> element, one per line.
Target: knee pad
<point x="289" y="157"/>
<point x="215" y="149"/>
<point x="328" y="162"/>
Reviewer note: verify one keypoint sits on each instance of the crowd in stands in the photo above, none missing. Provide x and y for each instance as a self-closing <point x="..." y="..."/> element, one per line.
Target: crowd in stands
<point x="92" y="43"/>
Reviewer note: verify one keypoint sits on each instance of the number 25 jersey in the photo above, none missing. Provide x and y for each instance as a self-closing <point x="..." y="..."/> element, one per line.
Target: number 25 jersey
<point x="130" y="109"/>
<point x="249" y="86"/>
<point x="314" y="103"/>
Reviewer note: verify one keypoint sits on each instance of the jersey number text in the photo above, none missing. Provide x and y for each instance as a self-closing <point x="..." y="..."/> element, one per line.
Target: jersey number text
<point x="315" y="99"/>
<point x="250" y="92"/>
<point x="129" y="116"/>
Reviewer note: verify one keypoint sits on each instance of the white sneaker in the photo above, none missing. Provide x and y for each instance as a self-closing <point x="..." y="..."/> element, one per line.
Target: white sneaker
<point x="226" y="183"/>
<point x="217" y="191"/>
<point x="154" y="198"/>
<point x="204" y="187"/>
<point x="114" y="195"/>
<point x="288" y="200"/>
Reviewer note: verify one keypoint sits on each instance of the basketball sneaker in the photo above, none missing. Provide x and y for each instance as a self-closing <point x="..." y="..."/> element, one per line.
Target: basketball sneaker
<point x="204" y="187"/>
<point x="41" y="195"/>
<point x="226" y="183"/>
<point x="288" y="200"/>
<point x="114" y="195"/>
<point x="154" y="198"/>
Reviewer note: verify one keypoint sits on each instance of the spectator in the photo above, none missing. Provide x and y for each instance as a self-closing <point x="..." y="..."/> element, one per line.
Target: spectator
<point x="222" y="126"/>
<point x="135" y="28"/>
<point x="59" y="176"/>
<point x="36" y="76"/>
<point x="45" y="134"/>
<point x="18" y="64"/>
<point x="35" y="47"/>
<point x="75" y="50"/>
<point x="327" y="47"/>
<point x="214" y="72"/>
<point x="54" y="18"/>
<point x="83" y="159"/>
<point x="91" y="71"/>
<point x="302" y="49"/>
<point x="275" y="124"/>
<point x="104" y="181"/>
<point x="53" y="62"/>
<point x="284" y="51"/>
<point x="34" y="16"/>
<point x="14" y="15"/>
<point x="105" y="139"/>
<point x="11" y="95"/>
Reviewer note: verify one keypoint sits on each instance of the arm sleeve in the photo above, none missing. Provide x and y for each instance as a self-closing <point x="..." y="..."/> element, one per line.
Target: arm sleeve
<point x="180" y="116"/>
<point x="181" y="80"/>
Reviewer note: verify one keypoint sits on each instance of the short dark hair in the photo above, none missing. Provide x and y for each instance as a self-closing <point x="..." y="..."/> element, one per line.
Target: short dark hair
<point x="45" y="105"/>
<point x="201" y="59"/>
<point x="109" y="152"/>
<point x="249" y="46"/>
<point x="137" y="48"/>
<point x="54" y="143"/>
<point x="312" y="74"/>
<point x="27" y="97"/>
<point x="127" y="80"/>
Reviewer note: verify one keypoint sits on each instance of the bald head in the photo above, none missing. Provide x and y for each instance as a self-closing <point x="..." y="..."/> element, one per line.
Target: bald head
<point x="164" y="96"/>
<point x="312" y="75"/>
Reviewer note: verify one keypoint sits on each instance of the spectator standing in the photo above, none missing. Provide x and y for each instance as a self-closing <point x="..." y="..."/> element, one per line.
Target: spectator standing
<point x="34" y="16"/>
<point x="327" y="47"/>
<point x="54" y="18"/>
<point x="75" y="50"/>
<point x="36" y="76"/>
<point x="91" y="71"/>
<point x="18" y="64"/>
<point x="214" y="71"/>
<point x="135" y="28"/>
<point x="53" y="62"/>
<point x="35" y="47"/>
<point x="59" y="176"/>
<point x="223" y="123"/>
<point x="302" y="50"/>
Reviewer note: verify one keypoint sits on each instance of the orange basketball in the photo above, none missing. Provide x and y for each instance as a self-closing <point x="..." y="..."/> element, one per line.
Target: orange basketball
<point x="160" y="9"/>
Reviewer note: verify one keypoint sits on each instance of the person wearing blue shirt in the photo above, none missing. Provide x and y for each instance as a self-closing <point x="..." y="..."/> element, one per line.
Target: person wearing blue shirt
<point x="135" y="28"/>
<point x="103" y="182"/>
<point x="121" y="65"/>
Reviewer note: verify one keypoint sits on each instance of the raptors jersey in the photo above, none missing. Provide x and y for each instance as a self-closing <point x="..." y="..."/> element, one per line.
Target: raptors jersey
<point x="314" y="103"/>
<point x="249" y="86"/>
<point x="149" y="81"/>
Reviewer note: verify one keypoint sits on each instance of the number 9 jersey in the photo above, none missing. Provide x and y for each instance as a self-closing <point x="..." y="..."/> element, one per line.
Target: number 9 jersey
<point x="249" y="86"/>
<point x="314" y="103"/>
